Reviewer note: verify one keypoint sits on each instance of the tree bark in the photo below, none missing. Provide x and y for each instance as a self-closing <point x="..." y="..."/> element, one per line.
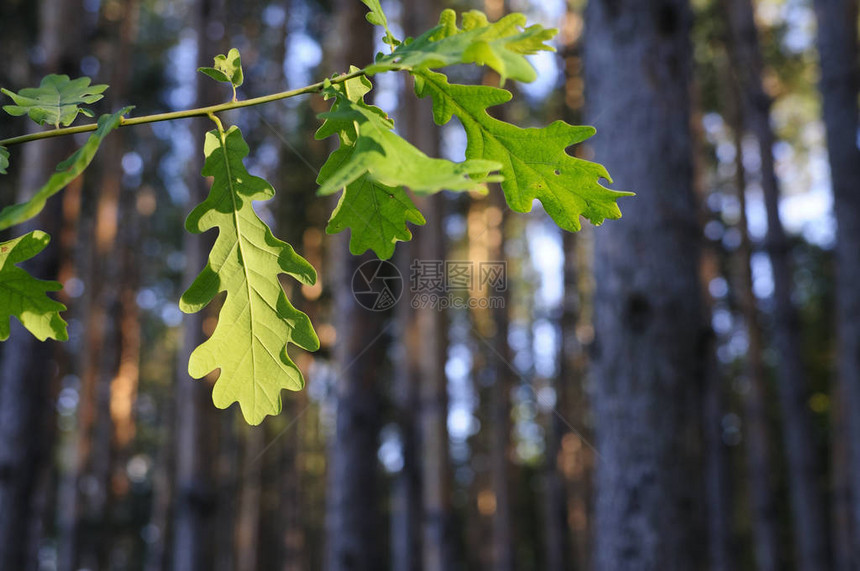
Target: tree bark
<point x="196" y="423"/>
<point x="504" y="542"/>
<point x="406" y="488"/>
<point x="427" y="353"/>
<point x="759" y="450"/>
<point x="840" y="79"/>
<point x="248" y="519"/>
<point x="29" y="373"/>
<point x="111" y="348"/>
<point x="570" y="509"/>
<point x="651" y="334"/>
<point x="718" y="488"/>
<point x="354" y="522"/>
<point x="807" y="501"/>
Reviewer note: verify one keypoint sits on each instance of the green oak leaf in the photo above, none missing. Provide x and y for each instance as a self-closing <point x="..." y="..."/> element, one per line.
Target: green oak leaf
<point x="228" y="69"/>
<point x="4" y="160"/>
<point x="67" y="171"/>
<point x="377" y="17"/>
<point x="535" y="162"/>
<point x="369" y="146"/>
<point x="56" y="101"/>
<point x="376" y="215"/>
<point x="257" y="321"/>
<point x="500" y="45"/>
<point x="23" y="296"/>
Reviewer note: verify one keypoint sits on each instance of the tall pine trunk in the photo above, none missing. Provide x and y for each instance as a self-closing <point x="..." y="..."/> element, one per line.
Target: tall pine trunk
<point x="354" y="524"/>
<point x="111" y="347"/>
<point x="197" y="421"/>
<point x="29" y="370"/>
<point x="804" y="475"/>
<point x="717" y="464"/>
<point x="651" y="334"/>
<point x="759" y="437"/>
<point x="428" y="356"/>
<point x="837" y="46"/>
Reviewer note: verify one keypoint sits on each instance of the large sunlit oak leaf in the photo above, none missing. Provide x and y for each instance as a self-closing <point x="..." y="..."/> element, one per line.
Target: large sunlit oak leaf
<point x="57" y="101"/>
<point x="25" y="297"/>
<point x="501" y="46"/>
<point x="256" y="321"/>
<point x="535" y="163"/>
<point x="67" y="171"/>
<point x="369" y="146"/>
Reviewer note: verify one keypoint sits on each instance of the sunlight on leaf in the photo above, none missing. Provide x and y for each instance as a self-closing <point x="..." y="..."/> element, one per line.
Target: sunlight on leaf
<point x="501" y="46"/>
<point x="68" y="170"/>
<point x="228" y="69"/>
<point x="23" y="296"/>
<point x="369" y="146"/>
<point x="56" y="101"/>
<point x="377" y="17"/>
<point x="257" y="321"/>
<point x="535" y="161"/>
<point x="376" y="216"/>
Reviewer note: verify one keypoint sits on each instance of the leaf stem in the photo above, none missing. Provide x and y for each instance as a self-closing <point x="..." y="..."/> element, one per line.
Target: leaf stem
<point x="198" y="112"/>
<point x="218" y="123"/>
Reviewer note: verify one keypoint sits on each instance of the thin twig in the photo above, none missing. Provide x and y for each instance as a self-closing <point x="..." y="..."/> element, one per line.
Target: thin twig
<point x="198" y="112"/>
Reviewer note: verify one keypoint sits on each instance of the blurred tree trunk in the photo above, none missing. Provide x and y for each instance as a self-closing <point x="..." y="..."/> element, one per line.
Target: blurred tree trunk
<point x="354" y="525"/>
<point x="578" y="458"/>
<point x="158" y="548"/>
<point x="570" y="459"/>
<point x="292" y="521"/>
<point x="760" y="456"/>
<point x="248" y="518"/>
<point x="555" y="501"/>
<point x="406" y="488"/>
<point x="722" y="555"/>
<point x="479" y="526"/>
<point x="29" y="374"/>
<point x="494" y="375"/>
<point x="111" y="348"/>
<point x="433" y="395"/>
<point x="499" y="357"/>
<point x="651" y="333"/>
<point x="197" y="421"/>
<point x="804" y="477"/>
<point x="229" y="491"/>
<point x="837" y="46"/>
<point x="354" y="522"/>
<point x="843" y="524"/>
<point x="555" y="508"/>
<point x="717" y="465"/>
<point x="426" y="351"/>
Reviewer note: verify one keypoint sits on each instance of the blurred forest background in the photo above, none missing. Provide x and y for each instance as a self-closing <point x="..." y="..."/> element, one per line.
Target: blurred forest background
<point x="679" y="389"/>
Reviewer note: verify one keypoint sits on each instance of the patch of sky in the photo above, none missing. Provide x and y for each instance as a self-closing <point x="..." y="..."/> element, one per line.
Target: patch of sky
<point x="545" y="344"/>
<point x="304" y="54"/>
<point x="274" y="16"/>
<point x="547" y="257"/>
<point x="454" y="141"/>
<point x="762" y="274"/>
